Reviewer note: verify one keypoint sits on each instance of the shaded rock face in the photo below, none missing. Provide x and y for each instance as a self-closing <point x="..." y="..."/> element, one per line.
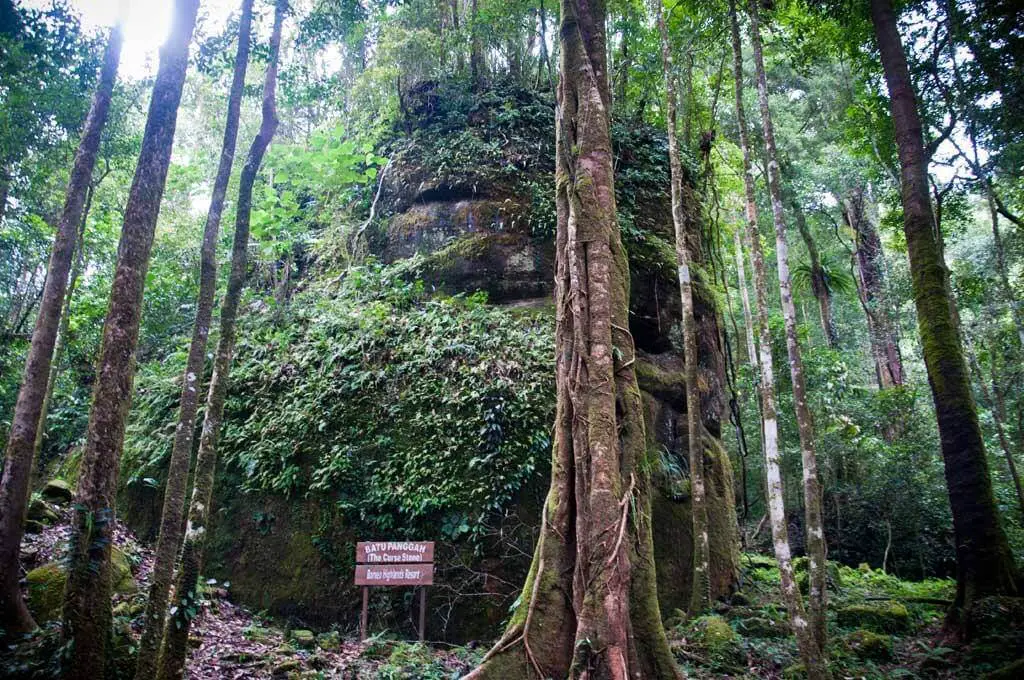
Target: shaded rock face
<point x="475" y="235"/>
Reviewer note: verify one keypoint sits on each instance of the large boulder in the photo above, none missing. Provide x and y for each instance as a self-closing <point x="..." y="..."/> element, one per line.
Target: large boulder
<point x="46" y="585"/>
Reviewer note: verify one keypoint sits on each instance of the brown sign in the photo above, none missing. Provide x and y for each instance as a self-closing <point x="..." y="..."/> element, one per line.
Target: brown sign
<point x="394" y="552"/>
<point x="394" y="574"/>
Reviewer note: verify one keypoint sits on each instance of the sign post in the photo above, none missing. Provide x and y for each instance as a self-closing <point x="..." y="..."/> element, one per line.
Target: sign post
<point x="394" y="563"/>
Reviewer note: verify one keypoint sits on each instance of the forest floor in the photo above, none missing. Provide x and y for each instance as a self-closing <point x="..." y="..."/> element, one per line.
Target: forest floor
<point x="880" y="627"/>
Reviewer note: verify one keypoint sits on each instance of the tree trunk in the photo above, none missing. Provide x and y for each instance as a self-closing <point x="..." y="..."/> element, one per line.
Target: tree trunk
<point x="813" y="515"/>
<point x="169" y="540"/>
<point x="748" y="321"/>
<point x="175" y="640"/>
<point x="476" y="49"/>
<point x="25" y="422"/>
<point x="60" y="342"/>
<point x="589" y="606"/>
<point x="984" y="562"/>
<point x="700" y="596"/>
<point x="819" y="281"/>
<point x="1001" y="268"/>
<point x="807" y="641"/>
<point x="5" y="187"/>
<point x="87" y="615"/>
<point x="995" y="400"/>
<point x="885" y="348"/>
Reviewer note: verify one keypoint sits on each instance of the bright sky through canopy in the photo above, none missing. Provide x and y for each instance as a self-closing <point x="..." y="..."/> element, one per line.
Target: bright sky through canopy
<point x="147" y="23"/>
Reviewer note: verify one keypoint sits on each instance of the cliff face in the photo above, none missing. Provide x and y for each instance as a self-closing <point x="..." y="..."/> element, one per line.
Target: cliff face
<point x="465" y="206"/>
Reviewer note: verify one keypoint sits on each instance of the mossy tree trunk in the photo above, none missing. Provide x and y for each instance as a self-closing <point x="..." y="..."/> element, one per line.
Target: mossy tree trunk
<point x="882" y="334"/>
<point x="87" y="613"/>
<point x="813" y="514"/>
<point x="807" y="641"/>
<point x="700" y="596"/>
<point x="32" y="397"/>
<point x="169" y="540"/>
<point x="589" y="606"/>
<point x="175" y="639"/>
<point x="984" y="561"/>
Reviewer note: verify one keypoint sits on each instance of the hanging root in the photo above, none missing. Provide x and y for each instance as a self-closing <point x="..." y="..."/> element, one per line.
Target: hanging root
<point x="624" y="504"/>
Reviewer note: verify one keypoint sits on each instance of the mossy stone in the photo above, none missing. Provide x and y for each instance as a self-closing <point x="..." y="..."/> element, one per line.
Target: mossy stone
<point x="41" y="511"/>
<point x="868" y="645"/>
<point x="715" y="632"/>
<point x="762" y="627"/>
<point x="46" y="591"/>
<point x="739" y="599"/>
<point x="304" y="638"/>
<point x="46" y="586"/>
<point x="890" y="617"/>
<point x="330" y="641"/>
<point x="285" y="667"/>
<point x="57" y="491"/>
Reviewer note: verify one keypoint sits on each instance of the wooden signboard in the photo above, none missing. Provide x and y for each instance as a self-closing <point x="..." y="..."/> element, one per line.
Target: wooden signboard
<point x="394" y="575"/>
<point x="394" y="563"/>
<point x="390" y="552"/>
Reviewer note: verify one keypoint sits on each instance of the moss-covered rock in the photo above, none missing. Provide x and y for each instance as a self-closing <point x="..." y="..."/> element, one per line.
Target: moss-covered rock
<point x="890" y="617"/>
<point x="869" y="646"/>
<point x="42" y="512"/>
<point x="715" y="632"/>
<point x="763" y="627"/>
<point x="46" y="586"/>
<point x="304" y="638"/>
<point x="284" y="668"/>
<point x="739" y="599"/>
<point x="46" y="591"/>
<point x="57" y="491"/>
<point x="329" y="641"/>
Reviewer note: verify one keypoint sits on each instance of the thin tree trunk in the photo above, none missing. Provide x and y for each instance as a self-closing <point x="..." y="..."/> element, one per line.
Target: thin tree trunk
<point x="545" y="58"/>
<point x="813" y="515"/>
<point x="1001" y="268"/>
<point x="17" y="472"/>
<point x="700" y="594"/>
<point x="589" y="605"/>
<point x="476" y="49"/>
<point x="5" y="188"/>
<point x="60" y="341"/>
<point x="748" y="321"/>
<point x="819" y="281"/>
<point x="169" y="540"/>
<point x="807" y="642"/>
<point x="87" y="615"/>
<point x="984" y="562"/>
<point x="995" y="399"/>
<point x="175" y="640"/>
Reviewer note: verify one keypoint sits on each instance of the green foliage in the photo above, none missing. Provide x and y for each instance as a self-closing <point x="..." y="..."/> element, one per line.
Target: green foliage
<point x="414" y="415"/>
